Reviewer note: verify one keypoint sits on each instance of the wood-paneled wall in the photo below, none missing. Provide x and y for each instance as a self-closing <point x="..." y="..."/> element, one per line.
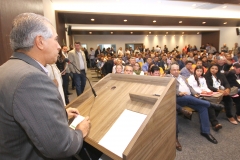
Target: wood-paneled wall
<point x="212" y="38"/>
<point x="9" y="9"/>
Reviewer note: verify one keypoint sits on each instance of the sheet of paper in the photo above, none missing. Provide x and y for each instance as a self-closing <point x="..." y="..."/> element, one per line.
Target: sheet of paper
<point x="122" y="131"/>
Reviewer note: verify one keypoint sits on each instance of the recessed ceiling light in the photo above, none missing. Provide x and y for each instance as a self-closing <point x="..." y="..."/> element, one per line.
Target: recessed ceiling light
<point x="165" y="35"/>
<point x="166" y="32"/>
<point x="147" y="35"/>
<point x="173" y="35"/>
<point x="154" y="21"/>
<point x="180" y="21"/>
<point x="194" y="5"/>
<point x="203" y="22"/>
<point x="149" y="32"/>
<point x="92" y="19"/>
<point x="224" y="7"/>
<point x="111" y="32"/>
<point x="156" y="35"/>
<point x="182" y="32"/>
<point x="125" y="20"/>
<point x="225" y="23"/>
<point x="90" y="32"/>
<point x="182" y="35"/>
<point x="197" y="32"/>
<point x="131" y="32"/>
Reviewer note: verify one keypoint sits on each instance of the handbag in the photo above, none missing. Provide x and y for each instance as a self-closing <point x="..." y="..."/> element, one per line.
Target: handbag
<point x="233" y="91"/>
<point x="215" y="98"/>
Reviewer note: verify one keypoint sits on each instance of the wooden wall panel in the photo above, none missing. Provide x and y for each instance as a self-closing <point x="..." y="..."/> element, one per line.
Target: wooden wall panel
<point x="60" y="25"/>
<point x="9" y="9"/>
<point x="211" y="37"/>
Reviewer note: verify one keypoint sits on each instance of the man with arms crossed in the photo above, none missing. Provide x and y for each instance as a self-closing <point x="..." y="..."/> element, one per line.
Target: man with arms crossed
<point x="33" y="120"/>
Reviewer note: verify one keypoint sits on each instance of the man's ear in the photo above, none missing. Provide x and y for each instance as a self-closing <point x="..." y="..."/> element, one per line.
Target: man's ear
<point x="39" y="42"/>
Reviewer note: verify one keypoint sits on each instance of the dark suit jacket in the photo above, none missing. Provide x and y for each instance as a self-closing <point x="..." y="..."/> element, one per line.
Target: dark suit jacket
<point x="97" y="52"/>
<point x="222" y="78"/>
<point x="33" y="121"/>
<point x="232" y="78"/>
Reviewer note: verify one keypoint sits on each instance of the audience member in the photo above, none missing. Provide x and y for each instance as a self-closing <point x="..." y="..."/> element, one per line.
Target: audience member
<point x="187" y="70"/>
<point x="128" y="69"/>
<point x="217" y="82"/>
<point x="137" y="69"/>
<point x="198" y="83"/>
<point x="77" y="58"/>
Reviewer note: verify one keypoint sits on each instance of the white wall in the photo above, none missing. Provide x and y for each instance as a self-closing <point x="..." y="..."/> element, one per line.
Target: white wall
<point x="149" y="41"/>
<point x="229" y="36"/>
<point x="49" y="12"/>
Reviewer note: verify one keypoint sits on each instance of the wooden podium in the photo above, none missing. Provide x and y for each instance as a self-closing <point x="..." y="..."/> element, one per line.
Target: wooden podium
<point x="156" y="137"/>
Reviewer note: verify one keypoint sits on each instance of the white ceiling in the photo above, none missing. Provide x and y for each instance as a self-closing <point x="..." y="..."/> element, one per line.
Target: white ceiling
<point x="150" y="7"/>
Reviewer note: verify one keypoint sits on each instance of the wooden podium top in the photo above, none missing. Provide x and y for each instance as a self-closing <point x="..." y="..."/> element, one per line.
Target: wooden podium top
<point x="115" y="93"/>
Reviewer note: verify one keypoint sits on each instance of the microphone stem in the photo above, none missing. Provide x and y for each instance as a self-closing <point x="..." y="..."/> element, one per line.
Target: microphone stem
<point x="93" y="91"/>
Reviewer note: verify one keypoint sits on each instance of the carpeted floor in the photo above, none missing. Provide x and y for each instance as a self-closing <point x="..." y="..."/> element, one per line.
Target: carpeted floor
<point x="195" y="146"/>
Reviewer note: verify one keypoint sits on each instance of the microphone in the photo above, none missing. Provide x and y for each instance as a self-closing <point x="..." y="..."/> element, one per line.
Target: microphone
<point x="93" y="91"/>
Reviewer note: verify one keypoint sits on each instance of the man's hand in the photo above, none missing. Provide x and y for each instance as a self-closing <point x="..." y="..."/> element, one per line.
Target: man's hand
<point x="72" y="112"/>
<point x="84" y="126"/>
<point x="197" y="95"/>
<point x="182" y="94"/>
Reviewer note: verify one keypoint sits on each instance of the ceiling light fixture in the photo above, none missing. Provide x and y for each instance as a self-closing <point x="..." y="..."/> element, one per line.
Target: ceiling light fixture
<point x="197" y="32"/>
<point x="156" y="35"/>
<point x="203" y="22"/>
<point x="125" y="20"/>
<point x="194" y="5"/>
<point x="90" y="32"/>
<point x="147" y="35"/>
<point x="225" y="23"/>
<point x="166" y="32"/>
<point x="111" y="32"/>
<point x="224" y="7"/>
<point x="131" y="32"/>
<point x="149" y="32"/>
<point x="92" y="19"/>
<point x="154" y="21"/>
<point x="165" y="35"/>
<point x="182" y="32"/>
<point x="180" y="21"/>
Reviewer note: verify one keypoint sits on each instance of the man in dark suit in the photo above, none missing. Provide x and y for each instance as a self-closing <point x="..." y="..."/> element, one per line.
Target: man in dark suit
<point x="33" y="120"/>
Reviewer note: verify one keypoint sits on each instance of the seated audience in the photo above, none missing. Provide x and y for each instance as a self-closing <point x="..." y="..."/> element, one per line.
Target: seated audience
<point x="198" y="83"/>
<point x="186" y="96"/>
<point x="233" y="78"/>
<point x="146" y="65"/>
<point x="137" y="69"/>
<point x="119" y="69"/>
<point x="155" y="71"/>
<point x="139" y="59"/>
<point x="217" y="82"/>
<point x="187" y="70"/>
<point x="128" y="69"/>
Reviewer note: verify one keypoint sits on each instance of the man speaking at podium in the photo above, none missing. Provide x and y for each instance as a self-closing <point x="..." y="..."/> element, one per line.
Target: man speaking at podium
<point x="33" y="120"/>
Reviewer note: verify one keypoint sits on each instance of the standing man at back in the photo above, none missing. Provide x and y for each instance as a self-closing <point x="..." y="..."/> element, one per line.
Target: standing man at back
<point x="77" y="58"/>
<point x="33" y="120"/>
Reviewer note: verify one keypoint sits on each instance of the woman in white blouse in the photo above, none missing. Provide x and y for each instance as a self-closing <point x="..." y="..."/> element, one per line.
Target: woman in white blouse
<point x="199" y="84"/>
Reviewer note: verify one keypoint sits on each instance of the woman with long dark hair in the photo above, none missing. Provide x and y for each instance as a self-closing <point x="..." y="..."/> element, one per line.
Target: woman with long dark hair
<point x="198" y="83"/>
<point x="217" y="82"/>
